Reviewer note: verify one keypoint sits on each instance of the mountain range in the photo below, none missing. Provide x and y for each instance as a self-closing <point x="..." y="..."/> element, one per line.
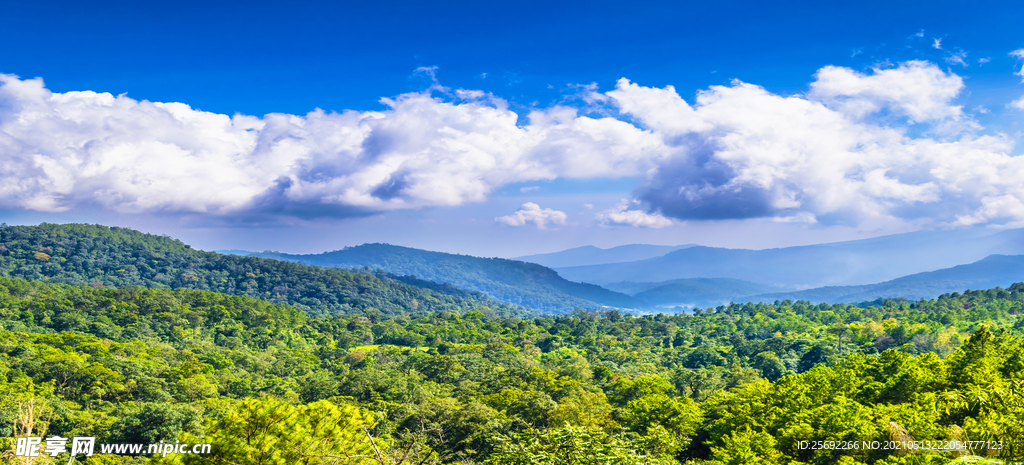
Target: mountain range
<point x="590" y="255"/>
<point x="396" y="279"/>
<point x="860" y="262"/>
<point x="990" y="272"/>
<point x="518" y="282"/>
<point x="913" y="265"/>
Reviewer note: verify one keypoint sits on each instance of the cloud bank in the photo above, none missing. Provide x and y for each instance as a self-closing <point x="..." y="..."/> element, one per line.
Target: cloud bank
<point x="889" y="144"/>
<point x="65" y="150"/>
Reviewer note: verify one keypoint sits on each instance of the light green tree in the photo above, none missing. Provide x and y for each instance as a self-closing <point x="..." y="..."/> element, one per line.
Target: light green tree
<point x="271" y="432"/>
<point x="571" y="445"/>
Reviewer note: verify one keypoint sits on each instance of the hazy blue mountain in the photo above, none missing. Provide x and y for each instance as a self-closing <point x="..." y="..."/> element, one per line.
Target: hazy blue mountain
<point x="590" y="255"/>
<point x="835" y="264"/>
<point x="689" y="292"/>
<point x="992" y="271"/>
<point x="240" y="253"/>
<point x="513" y="281"/>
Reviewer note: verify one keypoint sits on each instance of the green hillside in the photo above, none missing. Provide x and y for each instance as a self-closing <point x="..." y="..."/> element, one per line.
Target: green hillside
<point x="739" y="384"/>
<point x="522" y="283"/>
<point x="103" y="256"/>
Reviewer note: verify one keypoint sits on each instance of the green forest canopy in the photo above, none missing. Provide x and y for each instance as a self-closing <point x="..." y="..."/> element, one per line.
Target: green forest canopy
<point x="102" y="256"/>
<point x="737" y="384"/>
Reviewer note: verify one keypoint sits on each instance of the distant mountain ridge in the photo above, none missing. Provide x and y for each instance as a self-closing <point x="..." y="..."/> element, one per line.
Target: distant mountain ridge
<point x="590" y="255"/>
<point x="989" y="272"/>
<point x="692" y="292"/>
<point x="518" y="282"/>
<point x="859" y="262"/>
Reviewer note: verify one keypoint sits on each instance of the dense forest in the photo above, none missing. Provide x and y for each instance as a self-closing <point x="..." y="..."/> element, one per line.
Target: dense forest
<point x="265" y="383"/>
<point x="101" y="256"/>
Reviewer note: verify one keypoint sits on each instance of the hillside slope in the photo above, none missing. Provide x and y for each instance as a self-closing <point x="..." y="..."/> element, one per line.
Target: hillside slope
<point x="115" y="257"/>
<point x="522" y="283"/>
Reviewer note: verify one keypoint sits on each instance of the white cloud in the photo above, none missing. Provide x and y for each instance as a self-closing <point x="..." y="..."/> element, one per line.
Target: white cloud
<point x="958" y="58"/>
<point x="624" y="216"/>
<point x="529" y="189"/>
<point x="915" y="89"/>
<point x="982" y="61"/>
<point x="801" y="217"/>
<point x="1019" y="53"/>
<point x="532" y="213"/>
<point x="1018" y="104"/>
<point x="75" y="148"/>
<point x="890" y="144"/>
<point x="937" y="44"/>
<point x="836" y="155"/>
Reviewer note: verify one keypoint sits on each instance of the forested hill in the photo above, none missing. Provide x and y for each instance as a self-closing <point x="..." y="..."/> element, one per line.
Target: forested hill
<point x="103" y="256"/>
<point x="513" y="281"/>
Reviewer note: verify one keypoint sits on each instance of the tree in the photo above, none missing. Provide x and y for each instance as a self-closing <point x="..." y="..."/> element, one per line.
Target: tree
<point x="271" y="432"/>
<point x="747" y="447"/>
<point x="156" y="421"/>
<point x="771" y="367"/>
<point x="570" y="445"/>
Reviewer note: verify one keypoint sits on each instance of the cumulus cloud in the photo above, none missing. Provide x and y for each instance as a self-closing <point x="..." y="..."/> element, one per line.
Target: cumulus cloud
<point x="916" y="89"/>
<point x="75" y="148"/>
<point x="532" y="213"/>
<point x="839" y="154"/>
<point x="887" y="144"/>
<point x="623" y="215"/>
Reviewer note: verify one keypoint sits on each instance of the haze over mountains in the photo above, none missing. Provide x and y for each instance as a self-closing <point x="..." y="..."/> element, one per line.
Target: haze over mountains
<point x="590" y="255"/>
<point x="913" y="265"/>
<point x="397" y="278"/>
<point x="989" y="272"/>
<point x="859" y="262"/>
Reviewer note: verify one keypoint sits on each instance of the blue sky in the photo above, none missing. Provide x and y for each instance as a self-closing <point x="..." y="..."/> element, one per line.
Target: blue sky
<point x="509" y="131"/>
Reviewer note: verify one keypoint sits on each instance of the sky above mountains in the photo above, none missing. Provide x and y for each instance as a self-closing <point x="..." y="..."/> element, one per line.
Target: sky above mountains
<point x="514" y="129"/>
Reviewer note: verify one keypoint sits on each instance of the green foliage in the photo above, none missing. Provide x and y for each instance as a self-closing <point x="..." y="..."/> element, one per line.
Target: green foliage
<point x="103" y="256"/>
<point x="737" y="384"/>
<point x="570" y="446"/>
<point x="153" y="422"/>
<point x="268" y="432"/>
